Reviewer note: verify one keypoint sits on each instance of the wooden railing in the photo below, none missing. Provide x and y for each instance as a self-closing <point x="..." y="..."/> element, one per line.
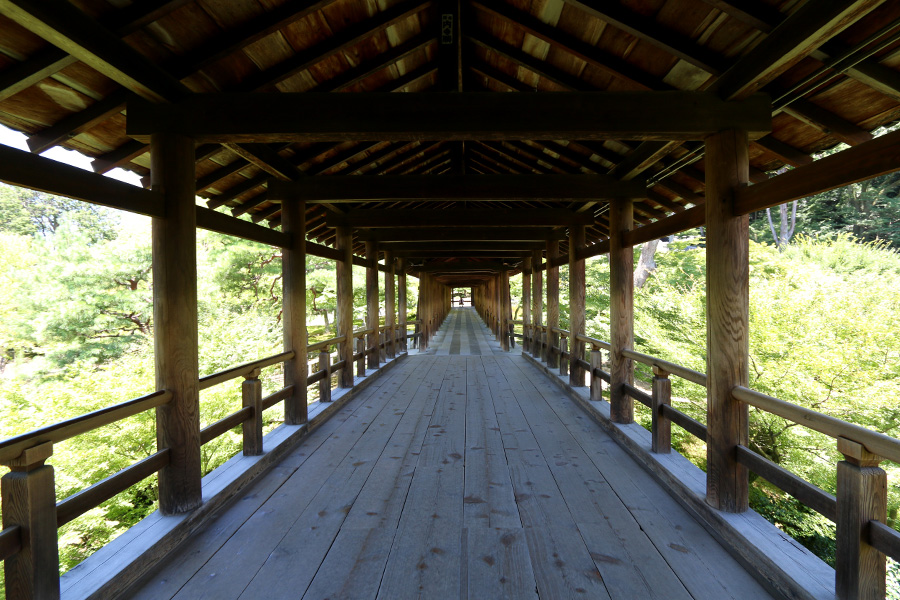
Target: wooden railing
<point x="858" y="510"/>
<point x="31" y="499"/>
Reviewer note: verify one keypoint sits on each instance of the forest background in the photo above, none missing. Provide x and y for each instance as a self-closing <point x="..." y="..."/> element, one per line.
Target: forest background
<point x="76" y="335"/>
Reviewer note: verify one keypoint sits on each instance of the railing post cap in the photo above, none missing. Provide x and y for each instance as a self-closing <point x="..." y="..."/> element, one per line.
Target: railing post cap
<point x="31" y="458"/>
<point x="660" y="372"/>
<point x="857" y="454"/>
<point x="253" y="374"/>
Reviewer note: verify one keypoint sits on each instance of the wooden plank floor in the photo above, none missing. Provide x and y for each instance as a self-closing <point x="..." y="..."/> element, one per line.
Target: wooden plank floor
<point x="454" y="477"/>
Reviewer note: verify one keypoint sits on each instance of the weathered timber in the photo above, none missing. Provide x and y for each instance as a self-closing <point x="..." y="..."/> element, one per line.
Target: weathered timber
<point x="293" y="274"/>
<point x="390" y="304"/>
<point x="487" y="188"/>
<point x="462" y="116"/>
<point x="661" y="427"/>
<point x="175" y="318"/>
<point x="372" y="303"/>
<point x="621" y="310"/>
<point x="728" y="316"/>
<point x="344" y="312"/>
<point x="551" y="355"/>
<point x="434" y="218"/>
<point x="576" y="304"/>
<point x="252" y="431"/>
<point x="515" y="234"/>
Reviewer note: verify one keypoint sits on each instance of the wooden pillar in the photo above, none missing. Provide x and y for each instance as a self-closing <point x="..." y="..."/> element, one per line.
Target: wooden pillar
<point x="372" y="303"/>
<point x="293" y="276"/>
<point x="526" y="305"/>
<point x="621" y="310"/>
<point x="551" y="357"/>
<point x="860" y="569"/>
<point x="661" y="427"/>
<point x="504" y="311"/>
<point x="390" y="304"/>
<point x="728" y="319"/>
<point x="401" y="302"/>
<point x="29" y="502"/>
<point x="252" y="429"/>
<point x="344" y="314"/>
<point x="422" y="310"/>
<point x="175" y="321"/>
<point x="576" y="305"/>
<point x="537" y="298"/>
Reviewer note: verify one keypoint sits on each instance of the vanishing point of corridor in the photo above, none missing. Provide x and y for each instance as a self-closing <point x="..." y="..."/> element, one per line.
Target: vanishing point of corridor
<point x="459" y="474"/>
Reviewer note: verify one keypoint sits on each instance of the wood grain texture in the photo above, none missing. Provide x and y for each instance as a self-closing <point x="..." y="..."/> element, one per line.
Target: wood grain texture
<point x="576" y="304"/>
<point x="293" y="307"/>
<point x="402" y="302"/>
<point x="728" y="320"/>
<point x="175" y="317"/>
<point x="344" y="314"/>
<point x="537" y="299"/>
<point x="860" y="569"/>
<point x="372" y="307"/>
<point x="526" y="304"/>
<point x="661" y="427"/>
<point x="621" y="310"/>
<point x="390" y="302"/>
<point x="551" y="357"/>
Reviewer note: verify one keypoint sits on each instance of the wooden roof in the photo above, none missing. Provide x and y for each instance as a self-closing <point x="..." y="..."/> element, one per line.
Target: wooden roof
<point x="69" y="69"/>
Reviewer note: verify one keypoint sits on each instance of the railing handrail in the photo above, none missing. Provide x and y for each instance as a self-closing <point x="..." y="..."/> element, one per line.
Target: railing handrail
<point x="877" y="443"/>
<point x="593" y="341"/>
<point x="208" y="381"/>
<point x="683" y="372"/>
<point x="11" y="448"/>
<point x="324" y="344"/>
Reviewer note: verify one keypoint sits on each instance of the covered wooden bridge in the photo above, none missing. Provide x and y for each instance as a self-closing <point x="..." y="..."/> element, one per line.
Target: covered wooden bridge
<point x="448" y="462"/>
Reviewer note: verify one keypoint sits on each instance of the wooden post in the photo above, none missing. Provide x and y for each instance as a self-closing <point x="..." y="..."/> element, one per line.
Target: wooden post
<point x="390" y="305"/>
<point x="361" y="361"/>
<point x="251" y="396"/>
<point x="29" y="501"/>
<point x="563" y="359"/>
<point x="175" y="321"/>
<point x="293" y="269"/>
<point x="596" y="381"/>
<point x="551" y="356"/>
<point x="860" y="569"/>
<point x="526" y="305"/>
<point x="728" y="320"/>
<point x="537" y="299"/>
<point x="576" y="305"/>
<point x="344" y="313"/>
<point x="401" y="302"/>
<point x="504" y="310"/>
<point x="372" y="303"/>
<point x="325" y="382"/>
<point x="661" y="427"/>
<point x="423" y="311"/>
<point x="621" y="310"/>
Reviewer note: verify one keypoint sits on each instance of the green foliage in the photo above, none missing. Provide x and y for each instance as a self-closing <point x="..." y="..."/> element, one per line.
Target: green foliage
<point x="30" y="213"/>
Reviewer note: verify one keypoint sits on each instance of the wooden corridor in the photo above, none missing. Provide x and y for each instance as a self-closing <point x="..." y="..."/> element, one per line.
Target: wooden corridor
<point x="465" y="334"/>
<point x="454" y="477"/>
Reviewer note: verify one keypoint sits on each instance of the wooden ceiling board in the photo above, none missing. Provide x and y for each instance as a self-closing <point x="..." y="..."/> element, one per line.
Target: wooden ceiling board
<point x="86" y="80"/>
<point x="269" y="51"/>
<point x="17" y="42"/>
<point x="690" y="18"/>
<point x="308" y="32"/>
<point x="867" y="102"/>
<point x="43" y="104"/>
<point x="298" y="82"/>
<point x="228" y="15"/>
<point x="181" y="31"/>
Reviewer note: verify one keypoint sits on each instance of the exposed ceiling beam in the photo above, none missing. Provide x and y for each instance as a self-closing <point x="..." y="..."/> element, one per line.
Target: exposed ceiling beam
<point x="450" y="116"/>
<point x="793" y="39"/>
<point x="463" y="267"/>
<point x="488" y="188"/>
<point x="72" y="31"/>
<point x="457" y="217"/>
<point x="462" y="234"/>
<point x="476" y="246"/>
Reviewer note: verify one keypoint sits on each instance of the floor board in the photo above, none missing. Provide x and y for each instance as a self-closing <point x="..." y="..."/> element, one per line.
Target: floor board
<point x="463" y="474"/>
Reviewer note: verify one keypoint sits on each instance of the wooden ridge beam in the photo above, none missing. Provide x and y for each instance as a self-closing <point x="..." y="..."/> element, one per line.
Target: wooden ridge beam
<point x="463" y="255"/>
<point x="381" y="218"/>
<point x="487" y="188"/>
<point x="463" y="266"/>
<point x="24" y="169"/>
<point x="488" y="246"/>
<point x="878" y="157"/>
<point x="464" y="116"/>
<point x="222" y="223"/>
<point x="464" y="234"/>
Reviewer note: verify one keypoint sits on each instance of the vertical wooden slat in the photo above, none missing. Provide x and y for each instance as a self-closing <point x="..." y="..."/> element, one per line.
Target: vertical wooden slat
<point x="251" y="396"/>
<point x="860" y="569"/>
<point x="621" y="310"/>
<point x="361" y="362"/>
<point x="596" y="381"/>
<point x="175" y="321"/>
<point x="390" y="304"/>
<point x="661" y="427"/>
<point x="293" y="269"/>
<point x="526" y="305"/>
<point x="401" y="302"/>
<point x="504" y="311"/>
<point x="576" y="304"/>
<point x="372" y="303"/>
<point x="728" y="318"/>
<point x="551" y="357"/>
<point x="537" y="301"/>
<point x="344" y="316"/>
<point x="325" y="382"/>
<point x="29" y="501"/>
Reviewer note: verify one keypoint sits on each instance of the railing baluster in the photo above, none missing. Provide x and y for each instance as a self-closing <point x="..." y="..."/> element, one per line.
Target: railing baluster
<point x="361" y="351"/>
<point x="29" y="501"/>
<point x="251" y="396"/>
<point x="860" y="569"/>
<point x="661" y="427"/>
<point x="325" y="383"/>
<point x="596" y="381"/>
<point x="563" y="350"/>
